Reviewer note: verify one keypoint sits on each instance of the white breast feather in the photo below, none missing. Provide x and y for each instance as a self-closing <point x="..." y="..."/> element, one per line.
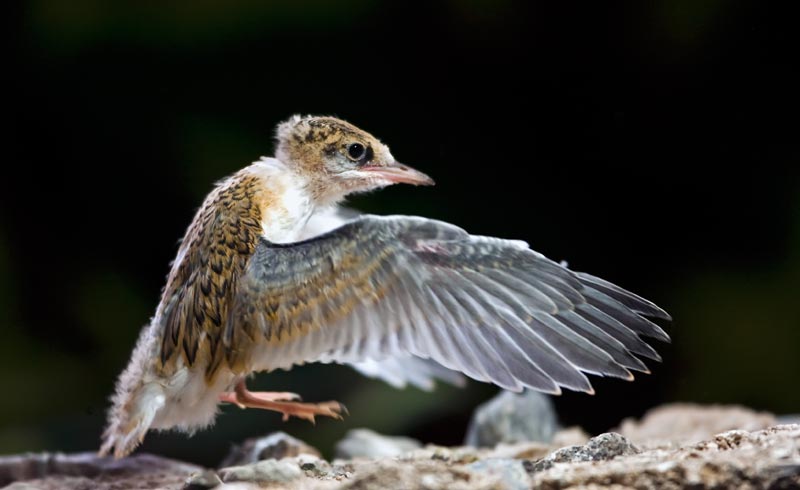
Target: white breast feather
<point x="287" y="215"/>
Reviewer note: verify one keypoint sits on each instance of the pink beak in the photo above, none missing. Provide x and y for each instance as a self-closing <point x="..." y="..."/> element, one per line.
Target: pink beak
<point x="400" y="174"/>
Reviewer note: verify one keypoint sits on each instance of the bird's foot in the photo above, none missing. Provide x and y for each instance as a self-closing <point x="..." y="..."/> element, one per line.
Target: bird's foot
<point x="268" y="396"/>
<point x="308" y="411"/>
<point x="284" y="403"/>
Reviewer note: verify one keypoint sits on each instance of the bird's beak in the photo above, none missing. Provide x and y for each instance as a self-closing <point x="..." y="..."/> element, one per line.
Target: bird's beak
<point x="399" y="174"/>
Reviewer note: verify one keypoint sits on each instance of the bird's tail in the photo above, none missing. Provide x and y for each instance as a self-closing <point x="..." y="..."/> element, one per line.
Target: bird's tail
<point x="134" y="404"/>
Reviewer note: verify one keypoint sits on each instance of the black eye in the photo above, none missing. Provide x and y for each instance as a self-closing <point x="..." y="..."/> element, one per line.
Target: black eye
<point x="356" y="151"/>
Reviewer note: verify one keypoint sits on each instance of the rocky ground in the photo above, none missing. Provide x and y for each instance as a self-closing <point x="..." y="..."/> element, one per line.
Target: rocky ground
<point x="674" y="446"/>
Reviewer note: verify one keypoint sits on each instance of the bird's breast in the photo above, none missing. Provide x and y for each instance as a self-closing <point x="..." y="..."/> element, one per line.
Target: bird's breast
<point x="286" y="208"/>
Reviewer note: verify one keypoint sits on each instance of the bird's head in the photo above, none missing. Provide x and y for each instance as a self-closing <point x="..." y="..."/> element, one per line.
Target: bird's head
<point x="339" y="159"/>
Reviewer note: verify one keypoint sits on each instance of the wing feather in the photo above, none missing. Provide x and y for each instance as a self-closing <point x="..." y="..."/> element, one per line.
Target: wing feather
<point x="632" y="301"/>
<point x="400" y="371"/>
<point x="411" y="300"/>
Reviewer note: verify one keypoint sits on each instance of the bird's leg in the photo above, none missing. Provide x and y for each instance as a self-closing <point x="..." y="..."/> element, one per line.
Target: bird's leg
<point x="270" y="396"/>
<point x="278" y="402"/>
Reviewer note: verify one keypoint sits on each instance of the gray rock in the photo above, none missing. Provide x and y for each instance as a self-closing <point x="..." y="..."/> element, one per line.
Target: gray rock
<point x="768" y="458"/>
<point x="677" y="424"/>
<point x="264" y="472"/>
<point x="601" y="448"/>
<point x="86" y="467"/>
<point x="276" y="445"/>
<point x="314" y="466"/>
<point x="364" y="443"/>
<point x="21" y="486"/>
<point x="202" y="481"/>
<point x="510" y="472"/>
<point x="427" y="474"/>
<point x="787" y="419"/>
<point x="510" y="418"/>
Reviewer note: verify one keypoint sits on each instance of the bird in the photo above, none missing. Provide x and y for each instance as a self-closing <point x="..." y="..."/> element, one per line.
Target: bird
<point x="274" y="272"/>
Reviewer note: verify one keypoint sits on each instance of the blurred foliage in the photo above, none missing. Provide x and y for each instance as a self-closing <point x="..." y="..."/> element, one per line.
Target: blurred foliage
<point x="747" y="350"/>
<point x="687" y="22"/>
<point x="79" y="25"/>
<point x="643" y="142"/>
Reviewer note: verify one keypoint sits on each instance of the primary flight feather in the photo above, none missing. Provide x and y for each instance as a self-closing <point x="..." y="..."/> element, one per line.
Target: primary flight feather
<point x="271" y="273"/>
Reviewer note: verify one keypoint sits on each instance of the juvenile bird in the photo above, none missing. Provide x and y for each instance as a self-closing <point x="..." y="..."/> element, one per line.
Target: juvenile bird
<point x="272" y="274"/>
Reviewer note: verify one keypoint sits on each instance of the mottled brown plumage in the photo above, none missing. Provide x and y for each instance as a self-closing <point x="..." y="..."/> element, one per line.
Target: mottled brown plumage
<point x="270" y="275"/>
<point x="200" y="289"/>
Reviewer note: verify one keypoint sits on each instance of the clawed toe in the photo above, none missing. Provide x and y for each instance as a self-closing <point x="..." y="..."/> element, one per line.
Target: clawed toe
<point x="282" y="396"/>
<point x="285" y="402"/>
<point x="265" y="396"/>
<point x="309" y="411"/>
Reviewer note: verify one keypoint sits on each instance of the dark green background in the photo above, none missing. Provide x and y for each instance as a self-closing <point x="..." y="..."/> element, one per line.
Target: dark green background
<point x="652" y="143"/>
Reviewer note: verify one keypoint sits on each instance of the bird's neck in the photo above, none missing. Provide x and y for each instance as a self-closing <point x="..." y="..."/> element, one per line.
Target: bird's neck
<point x="288" y="201"/>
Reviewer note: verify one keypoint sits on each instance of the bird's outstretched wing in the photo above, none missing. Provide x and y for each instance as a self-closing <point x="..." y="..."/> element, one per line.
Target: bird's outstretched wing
<point x="383" y="287"/>
<point x="397" y="371"/>
<point x="403" y="370"/>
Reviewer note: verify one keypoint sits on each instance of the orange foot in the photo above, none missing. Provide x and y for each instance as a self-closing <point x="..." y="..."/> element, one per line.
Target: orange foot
<point x="281" y="402"/>
<point x="267" y="396"/>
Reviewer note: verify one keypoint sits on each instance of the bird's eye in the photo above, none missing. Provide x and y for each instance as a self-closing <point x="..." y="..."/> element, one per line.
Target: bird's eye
<point x="356" y="151"/>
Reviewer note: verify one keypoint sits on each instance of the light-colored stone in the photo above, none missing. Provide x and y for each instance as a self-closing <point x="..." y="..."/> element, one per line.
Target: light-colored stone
<point x="737" y="459"/>
<point x="428" y="474"/>
<point x="510" y="472"/>
<point x="21" y="486"/>
<point x="684" y="423"/>
<point x="364" y="443"/>
<point x="314" y="466"/>
<point x="793" y="418"/>
<point x="276" y="445"/>
<point x="512" y="417"/>
<point x="519" y="450"/>
<point x="87" y="470"/>
<point x="451" y="455"/>
<point x="746" y="459"/>
<point x="263" y="472"/>
<point x="205" y="480"/>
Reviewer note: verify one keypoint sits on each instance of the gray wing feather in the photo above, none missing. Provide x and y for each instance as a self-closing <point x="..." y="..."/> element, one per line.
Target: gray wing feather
<point x="378" y="290"/>
<point x="403" y="370"/>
